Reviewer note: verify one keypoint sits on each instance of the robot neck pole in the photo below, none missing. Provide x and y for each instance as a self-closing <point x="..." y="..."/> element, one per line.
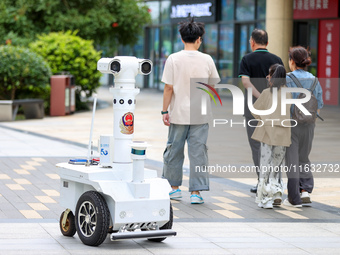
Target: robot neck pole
<point x="123" y="122"/>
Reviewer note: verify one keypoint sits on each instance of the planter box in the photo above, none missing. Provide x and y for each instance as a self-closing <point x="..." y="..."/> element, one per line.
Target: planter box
<point x="33" y="109"/>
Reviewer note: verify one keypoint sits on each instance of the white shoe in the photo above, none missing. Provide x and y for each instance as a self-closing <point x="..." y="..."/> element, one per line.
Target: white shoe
<point x="196" y="199"/>
<point x="287" y="203"/>
<point x="268" y="205"/>
<point x="305" y="197"/>
<point x="277" y="199"/>
<point x="175" y="194"/>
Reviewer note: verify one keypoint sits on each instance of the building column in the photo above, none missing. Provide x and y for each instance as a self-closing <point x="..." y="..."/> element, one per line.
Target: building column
<point x="279" y="26"/>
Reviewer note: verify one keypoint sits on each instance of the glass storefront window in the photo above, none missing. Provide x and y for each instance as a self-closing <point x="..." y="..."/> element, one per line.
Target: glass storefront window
<point x="313" y="42"/>
<point x="225" y="41"/>
<point x="165" y="12"/>
<point x="245" y="9"/>
<point x="166" y="41"/>
<point x="226" y="51"/>
<point x="251" y="27"/>
<point x="261" y="25"/>
<point x="244" y="41"/>
<point x="210" y="40"/>
<point x="154" y="11"/>
<point x="261" y="9"/>
<point x="177" y="42"/>
<point x="165" y="50"/>
<point x="306" y="35"/>
<point x="227" y="10"/>
<point x="154" y="57"/>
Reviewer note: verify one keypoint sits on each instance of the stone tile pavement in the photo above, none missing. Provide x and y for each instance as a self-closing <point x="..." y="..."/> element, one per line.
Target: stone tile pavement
<point x="192" y="238"/>
<point x="29" y="189"/>
<point x="229" y="222"/>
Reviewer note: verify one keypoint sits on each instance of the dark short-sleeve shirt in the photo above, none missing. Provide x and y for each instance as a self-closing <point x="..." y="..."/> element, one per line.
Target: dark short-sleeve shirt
<point x="255" y="65"/>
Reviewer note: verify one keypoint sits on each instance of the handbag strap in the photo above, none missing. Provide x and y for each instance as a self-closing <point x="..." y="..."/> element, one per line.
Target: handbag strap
<point x="297" y="82"/>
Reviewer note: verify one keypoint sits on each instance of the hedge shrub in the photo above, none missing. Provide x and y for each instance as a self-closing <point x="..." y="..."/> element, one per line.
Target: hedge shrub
<point x="23" y="74"/>
<point x="67" y="52"/>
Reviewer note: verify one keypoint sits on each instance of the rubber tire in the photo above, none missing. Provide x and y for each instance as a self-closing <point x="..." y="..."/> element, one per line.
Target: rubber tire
<point x="70" y="227"/>
<point x="167" y="225"/>
<point x="102" y="214"/>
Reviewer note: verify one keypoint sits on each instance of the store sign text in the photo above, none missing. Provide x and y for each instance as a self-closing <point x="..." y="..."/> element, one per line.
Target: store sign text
<point x="193" y="10"/>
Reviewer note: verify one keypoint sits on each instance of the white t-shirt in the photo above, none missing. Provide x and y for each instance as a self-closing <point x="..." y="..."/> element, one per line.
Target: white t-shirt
<point x="183" y="70"/>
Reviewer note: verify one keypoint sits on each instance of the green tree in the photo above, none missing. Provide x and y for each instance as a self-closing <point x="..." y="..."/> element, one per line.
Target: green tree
<point x="68" y="52"/>
<point x="23" y="74"/>
<point x="114" y="21"/>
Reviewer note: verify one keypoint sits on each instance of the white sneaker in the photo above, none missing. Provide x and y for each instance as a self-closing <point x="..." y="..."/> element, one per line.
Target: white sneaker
<point x="305" y="197"/>
<point x="268" y="205"/>
<point x="277" y="199"/>
<point x="287" y="203"/>
<point x="196" y="199"/>
<point x="175" y="194"/>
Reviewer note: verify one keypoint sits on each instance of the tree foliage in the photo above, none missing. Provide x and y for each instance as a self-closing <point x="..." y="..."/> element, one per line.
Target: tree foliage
<point x="116" y="21"/>
<point x="22" y="73"/>
<point x="67" y="52"/>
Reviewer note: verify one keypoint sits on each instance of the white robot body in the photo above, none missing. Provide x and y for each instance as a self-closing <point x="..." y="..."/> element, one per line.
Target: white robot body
<point x="134" y="197"/>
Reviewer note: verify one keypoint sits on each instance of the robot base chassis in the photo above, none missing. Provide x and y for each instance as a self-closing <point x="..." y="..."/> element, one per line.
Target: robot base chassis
<point x="101" y="201"/>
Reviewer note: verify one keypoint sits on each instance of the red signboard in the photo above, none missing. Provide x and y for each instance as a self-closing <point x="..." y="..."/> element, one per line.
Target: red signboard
<point x="328" y="60"/>
<point x="315" y="9"/>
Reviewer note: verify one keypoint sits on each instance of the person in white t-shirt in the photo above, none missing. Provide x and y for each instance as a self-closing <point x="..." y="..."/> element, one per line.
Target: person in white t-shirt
<point x="180" y="70"/>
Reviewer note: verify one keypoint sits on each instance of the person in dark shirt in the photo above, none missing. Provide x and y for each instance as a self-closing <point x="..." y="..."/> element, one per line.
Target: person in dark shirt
<point x="253" y="71"/>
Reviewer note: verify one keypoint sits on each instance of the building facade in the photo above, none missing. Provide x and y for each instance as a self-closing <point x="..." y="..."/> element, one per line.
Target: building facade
<point x="317" y="26"/>
<point x="229" y="24"/>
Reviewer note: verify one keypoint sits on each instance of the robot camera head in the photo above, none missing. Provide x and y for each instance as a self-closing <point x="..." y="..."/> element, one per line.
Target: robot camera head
<point x="124" y="66"/>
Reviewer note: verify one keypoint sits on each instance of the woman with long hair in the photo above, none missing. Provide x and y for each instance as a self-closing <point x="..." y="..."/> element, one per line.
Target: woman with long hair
<point x="274" y="138"/>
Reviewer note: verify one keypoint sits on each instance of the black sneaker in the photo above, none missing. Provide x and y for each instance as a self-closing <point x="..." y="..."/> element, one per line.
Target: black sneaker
<point x="254" y="189"/>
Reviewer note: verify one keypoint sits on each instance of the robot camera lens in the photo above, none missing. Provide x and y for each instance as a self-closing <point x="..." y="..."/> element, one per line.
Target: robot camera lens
<point x="115" y="66"/>
<point x="146" y="67"/>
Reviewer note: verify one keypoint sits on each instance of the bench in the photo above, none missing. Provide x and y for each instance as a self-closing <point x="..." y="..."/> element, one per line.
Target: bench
<point x="33" y="109"/>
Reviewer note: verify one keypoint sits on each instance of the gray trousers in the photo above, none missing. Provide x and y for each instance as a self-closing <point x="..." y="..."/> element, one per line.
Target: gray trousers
<point x="298" y="163"/>
<point x="196" y="137"/>
<point x="255" y="146"/>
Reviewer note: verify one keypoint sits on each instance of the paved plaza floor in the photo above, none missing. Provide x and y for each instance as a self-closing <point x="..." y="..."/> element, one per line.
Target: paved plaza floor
<point x="229" y="222"/>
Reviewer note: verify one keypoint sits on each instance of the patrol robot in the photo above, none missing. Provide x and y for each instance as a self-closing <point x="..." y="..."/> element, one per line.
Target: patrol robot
<point x="118" y="196"/>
